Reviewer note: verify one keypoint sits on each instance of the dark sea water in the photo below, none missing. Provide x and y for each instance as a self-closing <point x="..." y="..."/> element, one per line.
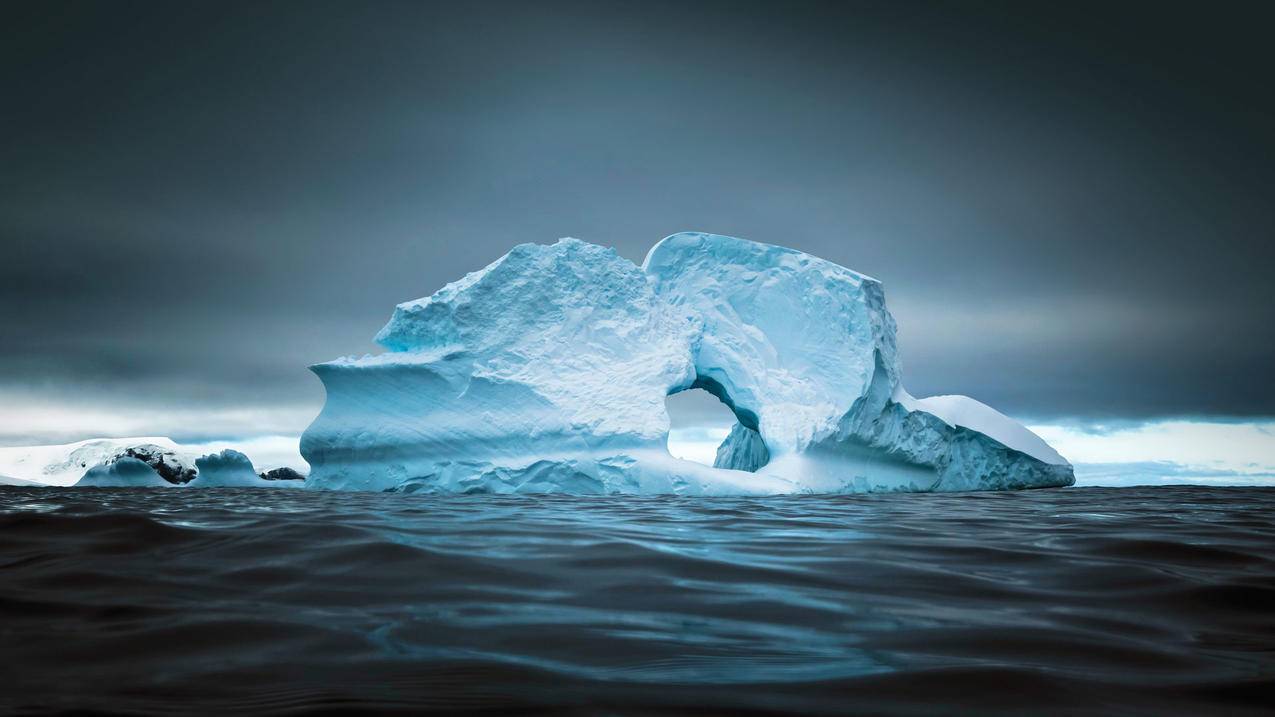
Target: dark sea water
<point x="1073" y="601"/>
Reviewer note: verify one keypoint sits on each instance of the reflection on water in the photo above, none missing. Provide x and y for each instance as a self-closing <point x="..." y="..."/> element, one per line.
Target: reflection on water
<point x="1066" y="601"/>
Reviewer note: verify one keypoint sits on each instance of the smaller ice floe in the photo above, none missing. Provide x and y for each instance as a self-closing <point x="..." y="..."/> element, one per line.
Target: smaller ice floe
<point x="232" y="469"/>
<point x="123" y="472"/>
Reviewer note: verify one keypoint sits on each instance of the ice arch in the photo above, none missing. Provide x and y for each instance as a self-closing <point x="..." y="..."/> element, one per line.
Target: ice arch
<point x="699" y="423"/>
<point x="789" y="341"/>
<point x="547" y="371"/>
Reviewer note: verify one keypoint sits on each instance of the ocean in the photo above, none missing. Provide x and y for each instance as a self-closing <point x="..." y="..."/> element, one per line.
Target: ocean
<point x="1069" y="601"/>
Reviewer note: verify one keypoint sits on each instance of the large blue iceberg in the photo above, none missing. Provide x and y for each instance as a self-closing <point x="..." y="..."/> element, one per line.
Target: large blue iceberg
<point x="547" y="371"/>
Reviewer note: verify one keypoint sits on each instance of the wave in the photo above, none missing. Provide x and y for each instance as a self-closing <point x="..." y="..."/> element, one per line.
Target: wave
<point x="1073" y="601"/>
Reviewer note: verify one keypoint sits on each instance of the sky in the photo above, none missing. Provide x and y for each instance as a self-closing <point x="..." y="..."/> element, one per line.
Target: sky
<point x="1070" y="207"/>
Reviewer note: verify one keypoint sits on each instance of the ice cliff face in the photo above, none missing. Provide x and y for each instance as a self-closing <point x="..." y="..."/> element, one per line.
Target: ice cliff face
<point x="547" y="372"/>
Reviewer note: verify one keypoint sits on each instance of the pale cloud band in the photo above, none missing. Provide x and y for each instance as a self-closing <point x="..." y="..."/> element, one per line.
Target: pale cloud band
<point x="28" y="421"/>
<point x="1210" y="452"/>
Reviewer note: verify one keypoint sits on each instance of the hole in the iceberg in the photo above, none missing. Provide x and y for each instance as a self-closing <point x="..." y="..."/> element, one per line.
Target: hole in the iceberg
<point x="698" y="423"/>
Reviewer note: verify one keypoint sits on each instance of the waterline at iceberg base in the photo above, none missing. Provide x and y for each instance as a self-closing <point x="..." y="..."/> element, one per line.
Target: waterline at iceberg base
<point x="547" y="371"/>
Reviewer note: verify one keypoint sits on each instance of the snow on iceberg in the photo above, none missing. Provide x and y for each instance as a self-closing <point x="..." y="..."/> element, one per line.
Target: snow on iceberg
<point x="123" y="472"/>
<point x="547" y="371"/>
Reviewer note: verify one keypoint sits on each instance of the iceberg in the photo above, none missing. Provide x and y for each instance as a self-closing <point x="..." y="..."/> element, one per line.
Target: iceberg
<point x="231" y="469"/>
<point x="547" y="371"/>
<point x="123" y="472"/>
<point x="64" y="465"/>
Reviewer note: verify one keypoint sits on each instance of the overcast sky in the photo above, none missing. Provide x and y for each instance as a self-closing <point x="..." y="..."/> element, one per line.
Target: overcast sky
<point x="1070" y="207"/>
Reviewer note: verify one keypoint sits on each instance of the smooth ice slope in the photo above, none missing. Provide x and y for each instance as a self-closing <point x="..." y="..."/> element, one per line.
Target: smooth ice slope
<point x="122" y="472"/>
<point x="547" y="371"/>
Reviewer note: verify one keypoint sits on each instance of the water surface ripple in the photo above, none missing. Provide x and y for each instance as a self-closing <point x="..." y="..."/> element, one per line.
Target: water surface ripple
<point x="1071" y="601"/>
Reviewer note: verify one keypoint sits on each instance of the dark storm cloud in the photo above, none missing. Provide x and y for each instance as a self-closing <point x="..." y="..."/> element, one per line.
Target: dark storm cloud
<point x="1070" y="207"/>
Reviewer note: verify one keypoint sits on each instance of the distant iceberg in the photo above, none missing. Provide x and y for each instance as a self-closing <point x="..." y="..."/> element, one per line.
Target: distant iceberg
<point x="123" y="472"/>
<point x="97" y="462"/>
<point x="547" y="371"/>
<point x="66" y="464"/>
<point x="231" y="469"/>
